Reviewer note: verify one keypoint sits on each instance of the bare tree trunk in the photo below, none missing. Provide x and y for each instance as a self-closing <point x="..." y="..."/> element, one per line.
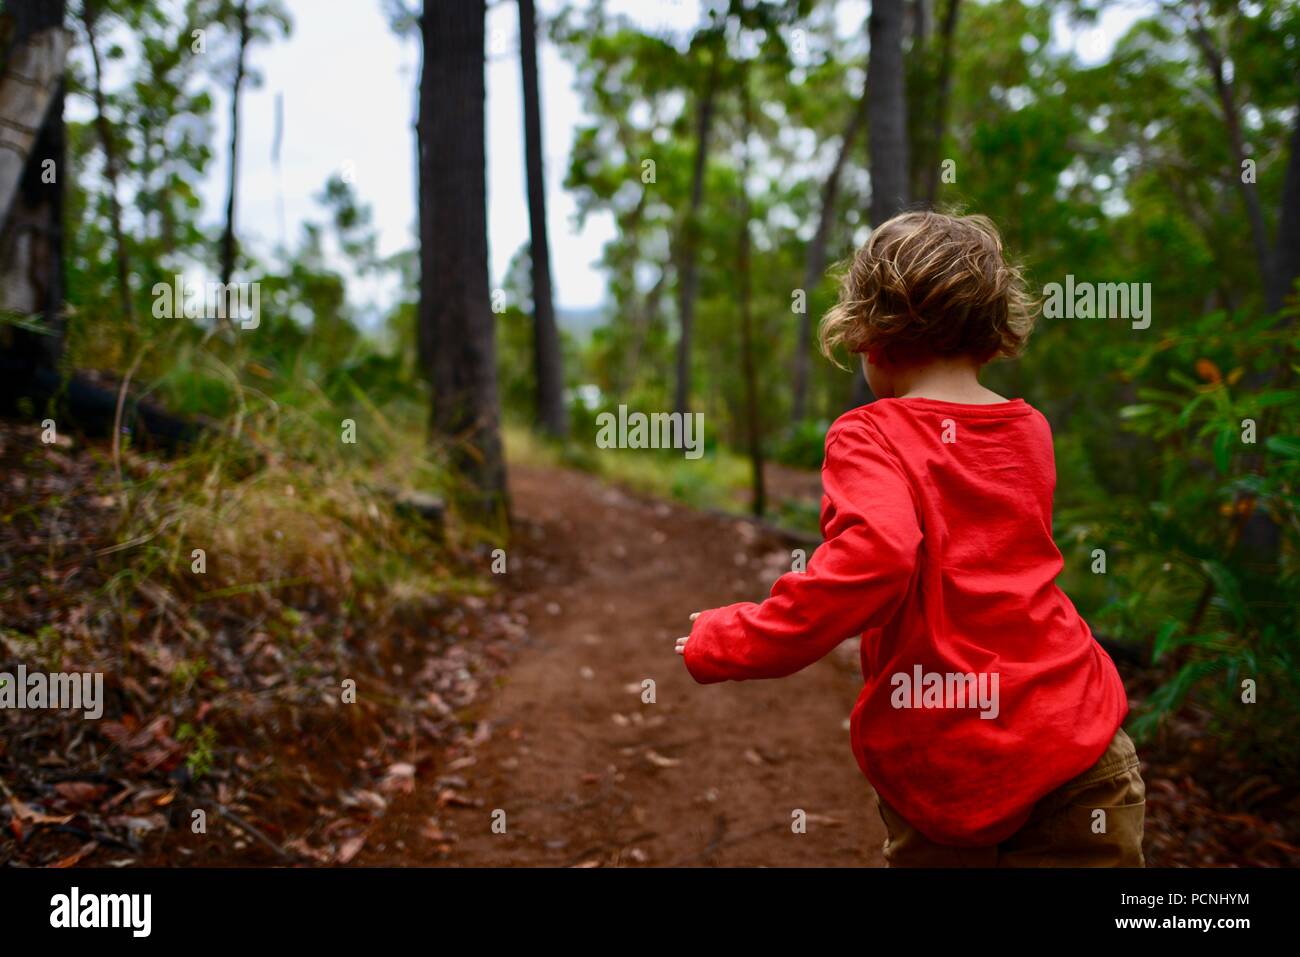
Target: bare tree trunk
<point x="753" y="426"/>
<point x="947" y="31"/>
<point x="887" y="111"/>
<point x="815" y="264"/>
<point x="456" y="321"/>
<point x="687" y="269"/>
<point x="1232" y="123"/>
<point x="228" y="247"/>
<point x="887" y="127"/>
<point x="89" y="14"/>
<point x="1286" y="254"/>
<point x="548" y="361"/>
<point x="31" y="216"/>
<point x="919" y="17"/>
<point x="1256" y="536"/>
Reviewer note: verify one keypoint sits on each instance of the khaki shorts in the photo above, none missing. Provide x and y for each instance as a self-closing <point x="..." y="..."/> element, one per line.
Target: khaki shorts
<point x="1095" y="820"/>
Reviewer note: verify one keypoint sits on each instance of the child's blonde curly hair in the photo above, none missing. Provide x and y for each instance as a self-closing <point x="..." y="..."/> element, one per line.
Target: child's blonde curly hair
<point x="931" y="285"/>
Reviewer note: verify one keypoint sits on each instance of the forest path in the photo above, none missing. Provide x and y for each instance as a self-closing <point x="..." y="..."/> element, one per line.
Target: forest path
<point x="588" y="774"/>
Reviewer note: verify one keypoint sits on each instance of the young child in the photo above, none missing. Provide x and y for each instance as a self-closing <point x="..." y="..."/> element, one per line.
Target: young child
<point x="989" y="720"/>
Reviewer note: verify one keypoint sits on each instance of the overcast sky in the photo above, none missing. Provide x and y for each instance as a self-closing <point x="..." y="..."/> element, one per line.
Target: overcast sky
<point x="348" y="87"/>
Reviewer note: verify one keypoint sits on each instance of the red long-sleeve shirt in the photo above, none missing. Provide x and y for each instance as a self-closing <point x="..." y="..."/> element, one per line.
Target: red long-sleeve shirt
<point x="937" y="519"/>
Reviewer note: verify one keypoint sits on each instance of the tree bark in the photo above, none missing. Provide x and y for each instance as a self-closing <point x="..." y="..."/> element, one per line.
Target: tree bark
<point x="753" y="424"/>
<point x="31" y="225"/>
<point x="687" y="269"/>
<point x="228" y="247"/>
<point x="104" y="130"/>
<point x="815" y="263"/>
<point x="455" y="317"/>
<point x="947" y="31"/>
<point x="548" y="361"/>
<point x="1232" y="123"/>
<point x="887" y="111"/>
<point x="1286" y="253"/>
<point x="886" y="127"/>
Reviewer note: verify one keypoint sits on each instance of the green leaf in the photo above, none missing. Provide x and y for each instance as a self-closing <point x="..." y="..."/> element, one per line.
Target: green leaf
<point x="1166" y="638"/>
<point x="1229" y="590"/>
<point x="1138" y="411"/>
<point x="1265" y="399"/>
<point x="1287" y="446"/>
<point x="1223" y="450"/>
<point x="1186" y="415"/>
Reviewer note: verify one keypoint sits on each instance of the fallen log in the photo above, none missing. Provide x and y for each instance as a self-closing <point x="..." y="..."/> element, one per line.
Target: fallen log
<point x="79" y="403"/>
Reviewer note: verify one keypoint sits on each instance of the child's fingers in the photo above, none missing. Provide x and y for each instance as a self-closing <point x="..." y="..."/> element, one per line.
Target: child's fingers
<point x="694" y="615"/>
<point x="681" y="645"/>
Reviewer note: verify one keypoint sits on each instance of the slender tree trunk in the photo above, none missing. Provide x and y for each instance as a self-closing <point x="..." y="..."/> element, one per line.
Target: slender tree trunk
<point x="1255" y="536"/>
<point x="89" y="12"/>
<point x="1232" y="124"/>
<point x="642" y="320"/>
<point x="753" y="423"/>
<point x="229" y="248"/>
<point x="688" y="278"/>
<point x="1286" y="254"/>
<point x="815" y="263"/>
<point x="424" y="216"/>
<point x="547" y="358"/>
<point x="939" y="128"/>
<point x="456" y="321"/>
<point x="886" y="127"/>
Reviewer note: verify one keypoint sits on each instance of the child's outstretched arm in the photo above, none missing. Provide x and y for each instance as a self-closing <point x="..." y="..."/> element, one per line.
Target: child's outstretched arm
<point x="853" y="582"/>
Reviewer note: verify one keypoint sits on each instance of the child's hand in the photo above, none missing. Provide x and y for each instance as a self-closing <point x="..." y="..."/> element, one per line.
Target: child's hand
<point x="681" y="642"/>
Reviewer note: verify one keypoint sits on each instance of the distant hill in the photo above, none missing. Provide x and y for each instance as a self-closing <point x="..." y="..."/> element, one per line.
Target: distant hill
<point x="579" y="323"/>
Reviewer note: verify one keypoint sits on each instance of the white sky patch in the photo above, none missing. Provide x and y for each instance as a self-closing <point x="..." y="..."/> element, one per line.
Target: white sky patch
<point x="349" y="89"/>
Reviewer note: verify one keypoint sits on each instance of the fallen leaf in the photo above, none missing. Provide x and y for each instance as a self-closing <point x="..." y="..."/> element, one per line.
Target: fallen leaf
<point x="659" y="761"/>
<point x="75" y="858"/>
<point x="449" y="798"/>
<point x="81" y="792"/>
<point x="399" y="777"/>
<point x="350" y="848"/>
<point x="25" y="813"/>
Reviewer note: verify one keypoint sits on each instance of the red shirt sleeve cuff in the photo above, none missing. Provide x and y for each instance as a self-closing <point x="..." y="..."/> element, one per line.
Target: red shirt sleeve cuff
<point x="704" y="655"/>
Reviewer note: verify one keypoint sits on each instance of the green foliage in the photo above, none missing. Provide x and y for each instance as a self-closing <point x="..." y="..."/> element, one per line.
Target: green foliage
<point x="202" y="753"/>
<point x="1215" y="532"/>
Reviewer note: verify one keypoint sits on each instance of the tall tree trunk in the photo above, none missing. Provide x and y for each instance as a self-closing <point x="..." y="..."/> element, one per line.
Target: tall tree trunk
<point x="31" y="217"/>
<point x="1286" y="251"/>
<point x="456" y="321"/>
<point x="1255" y="536"/>
<point x="943" y="94"/>
<point x="89" y="13"/>
<point x="815" y="263"/>
<point x="919" y="15"/>
<point x="753" y="424"/>
<point x="1227" y="95"/>
<point x="548" y="362"/>
<point x="228" y="246"/>
<point x="887" y="111"/>
<point x="886" y="127"/>
<point x="687" y="269"/>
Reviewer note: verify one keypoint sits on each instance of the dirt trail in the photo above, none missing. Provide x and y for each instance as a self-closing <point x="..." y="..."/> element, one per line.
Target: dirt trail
<point x="588" y="774"/>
